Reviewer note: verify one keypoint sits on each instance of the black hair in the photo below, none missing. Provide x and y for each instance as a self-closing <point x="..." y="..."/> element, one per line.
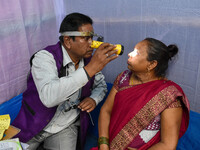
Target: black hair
<point x="72" y="22"/>
<point x="161" y="53"/>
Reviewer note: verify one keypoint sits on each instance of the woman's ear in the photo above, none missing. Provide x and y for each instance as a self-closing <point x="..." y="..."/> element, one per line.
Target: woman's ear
<point x="152" y="64"/>
<point x="67" y="43"/>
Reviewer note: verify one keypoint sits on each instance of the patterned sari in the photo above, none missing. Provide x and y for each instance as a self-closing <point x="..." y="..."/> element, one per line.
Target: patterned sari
<point x="136" y="107"/>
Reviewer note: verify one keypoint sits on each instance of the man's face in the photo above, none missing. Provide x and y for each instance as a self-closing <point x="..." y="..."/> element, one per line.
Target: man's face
<point x="81" y="46"/>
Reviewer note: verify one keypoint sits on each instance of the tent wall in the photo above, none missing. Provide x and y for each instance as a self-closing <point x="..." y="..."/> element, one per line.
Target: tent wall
<point x="27" y="26"/>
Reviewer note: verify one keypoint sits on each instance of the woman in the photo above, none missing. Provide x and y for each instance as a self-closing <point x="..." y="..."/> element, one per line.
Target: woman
<point x="144" y="110"/>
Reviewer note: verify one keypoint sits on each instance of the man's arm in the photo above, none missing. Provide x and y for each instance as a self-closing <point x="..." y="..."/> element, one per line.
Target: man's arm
<point x="52" y="89"/>
<point x="102" y="56"/>
<point x="99" y="88"/>
<point x="98" y="92"/>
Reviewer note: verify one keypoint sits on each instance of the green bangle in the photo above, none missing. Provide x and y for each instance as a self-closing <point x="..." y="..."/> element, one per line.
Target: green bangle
<point x="103" y="140"/>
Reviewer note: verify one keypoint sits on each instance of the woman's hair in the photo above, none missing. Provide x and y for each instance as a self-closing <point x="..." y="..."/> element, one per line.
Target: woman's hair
<point x="72" y="22"/>
<point x="161" y="53"/>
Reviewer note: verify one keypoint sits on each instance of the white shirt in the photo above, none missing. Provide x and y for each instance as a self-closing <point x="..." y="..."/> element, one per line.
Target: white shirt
<point x="55" y="91"/>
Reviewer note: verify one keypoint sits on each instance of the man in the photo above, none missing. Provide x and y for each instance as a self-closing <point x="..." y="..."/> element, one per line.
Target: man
<point x="64" y="86"/>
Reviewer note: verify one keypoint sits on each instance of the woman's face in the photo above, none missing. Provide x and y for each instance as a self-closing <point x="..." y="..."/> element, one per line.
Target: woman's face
<point x="137" y="61"/>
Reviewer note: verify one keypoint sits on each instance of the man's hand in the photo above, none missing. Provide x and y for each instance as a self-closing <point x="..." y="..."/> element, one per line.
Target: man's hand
<point x="88" y="104"/>
<point x="102" y="56"/>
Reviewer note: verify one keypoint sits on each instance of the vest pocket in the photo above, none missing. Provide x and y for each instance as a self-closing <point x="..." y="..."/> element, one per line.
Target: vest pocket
<point x="29" y="108"/>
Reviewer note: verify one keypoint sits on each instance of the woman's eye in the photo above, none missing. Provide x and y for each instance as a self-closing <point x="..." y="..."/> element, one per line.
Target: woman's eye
<point x="134" y="53"/>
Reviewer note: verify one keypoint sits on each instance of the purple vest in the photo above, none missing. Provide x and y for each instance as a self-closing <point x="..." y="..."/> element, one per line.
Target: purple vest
<point x="34" y="116"/>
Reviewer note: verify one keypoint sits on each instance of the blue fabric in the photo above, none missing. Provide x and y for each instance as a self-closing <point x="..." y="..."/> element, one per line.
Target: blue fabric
<point x="191" y="138"/>
<point x="11" y="107"/>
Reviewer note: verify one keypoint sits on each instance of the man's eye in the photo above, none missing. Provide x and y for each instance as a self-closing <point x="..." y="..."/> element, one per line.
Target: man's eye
<point x="88" y="37"/>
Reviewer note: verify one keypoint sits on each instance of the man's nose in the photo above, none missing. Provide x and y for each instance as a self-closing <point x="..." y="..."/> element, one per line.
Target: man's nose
<point x="90" y="40"/>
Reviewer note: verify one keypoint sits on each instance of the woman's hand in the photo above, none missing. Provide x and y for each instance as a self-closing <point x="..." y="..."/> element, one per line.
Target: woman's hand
<point x="104" y="147"/>
<point x="129" y="148"/>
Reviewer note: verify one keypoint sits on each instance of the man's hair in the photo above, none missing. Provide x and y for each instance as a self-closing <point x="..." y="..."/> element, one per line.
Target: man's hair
<point x="72" y="22"/>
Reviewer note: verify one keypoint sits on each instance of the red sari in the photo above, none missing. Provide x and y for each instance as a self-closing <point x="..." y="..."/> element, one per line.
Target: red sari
<point x="136" y="106"/>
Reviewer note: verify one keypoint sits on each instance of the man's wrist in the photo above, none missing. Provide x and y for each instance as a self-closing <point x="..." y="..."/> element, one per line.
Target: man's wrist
<point x="91" y="71"/>
<point x="87" y="74"/>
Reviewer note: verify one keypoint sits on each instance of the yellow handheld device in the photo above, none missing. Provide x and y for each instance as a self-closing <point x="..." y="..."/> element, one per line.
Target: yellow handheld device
<point x="120" y="48"/>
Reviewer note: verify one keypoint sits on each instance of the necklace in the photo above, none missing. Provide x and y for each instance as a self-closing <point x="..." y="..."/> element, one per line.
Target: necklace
<point x="135" y="81"/>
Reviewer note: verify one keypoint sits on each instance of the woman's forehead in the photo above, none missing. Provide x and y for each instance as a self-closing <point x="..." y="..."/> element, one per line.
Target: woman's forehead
<point x="141" y="46"/>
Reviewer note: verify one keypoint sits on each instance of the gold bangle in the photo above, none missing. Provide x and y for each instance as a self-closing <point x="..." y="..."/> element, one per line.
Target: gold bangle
<point x="103" y="140"/>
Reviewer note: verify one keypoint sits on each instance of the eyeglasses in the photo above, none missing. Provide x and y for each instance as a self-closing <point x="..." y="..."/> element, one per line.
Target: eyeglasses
<point x="83" y="34"/>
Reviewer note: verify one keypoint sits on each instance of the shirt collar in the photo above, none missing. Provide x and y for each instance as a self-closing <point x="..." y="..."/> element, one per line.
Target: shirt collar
<point x="67" y="59"/>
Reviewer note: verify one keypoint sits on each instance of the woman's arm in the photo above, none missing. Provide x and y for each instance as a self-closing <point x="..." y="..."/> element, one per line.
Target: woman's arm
<point x="104" y="117"/>
<point x="170" y="127"/>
